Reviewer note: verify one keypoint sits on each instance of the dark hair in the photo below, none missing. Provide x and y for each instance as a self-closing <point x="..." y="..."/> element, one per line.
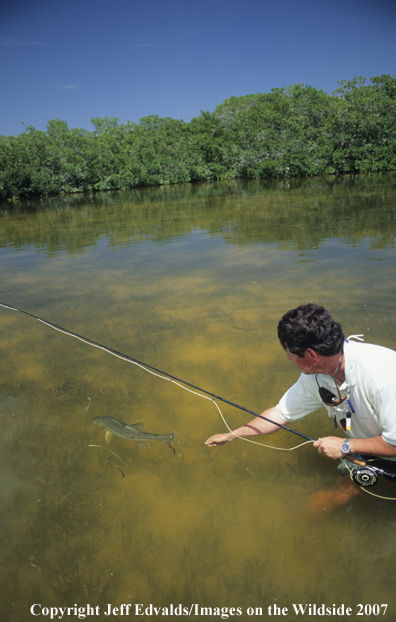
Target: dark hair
<point x="310" y="326"/>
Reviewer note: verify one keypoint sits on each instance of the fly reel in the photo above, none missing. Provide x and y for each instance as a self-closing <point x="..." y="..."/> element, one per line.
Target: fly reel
<point x="365" y="476"/>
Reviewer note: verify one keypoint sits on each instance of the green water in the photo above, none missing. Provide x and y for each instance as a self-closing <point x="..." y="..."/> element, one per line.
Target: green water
<point x="191" y="280"/>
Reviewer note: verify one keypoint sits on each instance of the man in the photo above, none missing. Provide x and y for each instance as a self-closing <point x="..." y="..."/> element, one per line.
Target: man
<point x="355" y="381"/>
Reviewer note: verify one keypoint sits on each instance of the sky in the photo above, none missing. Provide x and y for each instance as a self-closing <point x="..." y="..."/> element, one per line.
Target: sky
<point x="78" y="59"/>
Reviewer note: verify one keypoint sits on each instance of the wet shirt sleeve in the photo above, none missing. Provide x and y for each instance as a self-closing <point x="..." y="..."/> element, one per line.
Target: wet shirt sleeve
<point x="300" y="400"/>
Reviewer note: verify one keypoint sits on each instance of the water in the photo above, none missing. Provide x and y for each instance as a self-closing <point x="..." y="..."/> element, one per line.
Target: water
<point x="191" y="280"/>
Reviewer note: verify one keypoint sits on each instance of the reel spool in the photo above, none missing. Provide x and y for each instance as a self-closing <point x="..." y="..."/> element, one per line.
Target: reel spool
<point x="365" y="477"/>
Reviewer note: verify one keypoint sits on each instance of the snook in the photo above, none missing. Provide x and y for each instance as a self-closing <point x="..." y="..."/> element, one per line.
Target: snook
<point x="134" y="432"/>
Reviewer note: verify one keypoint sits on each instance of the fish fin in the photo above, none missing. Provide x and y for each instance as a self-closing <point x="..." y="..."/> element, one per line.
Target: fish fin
<point x="108" y="436"/>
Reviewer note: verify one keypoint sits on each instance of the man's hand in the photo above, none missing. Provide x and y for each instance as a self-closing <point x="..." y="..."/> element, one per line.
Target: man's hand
<point x="330" y="447"/>
<point x="219" y="439"/>
<point x="373" y="446"/>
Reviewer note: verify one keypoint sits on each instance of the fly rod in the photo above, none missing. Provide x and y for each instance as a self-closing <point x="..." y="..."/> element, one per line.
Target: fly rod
<point x="132" y="360"/>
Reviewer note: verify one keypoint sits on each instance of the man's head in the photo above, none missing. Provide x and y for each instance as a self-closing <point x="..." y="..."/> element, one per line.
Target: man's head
<point x="310" y="327"/>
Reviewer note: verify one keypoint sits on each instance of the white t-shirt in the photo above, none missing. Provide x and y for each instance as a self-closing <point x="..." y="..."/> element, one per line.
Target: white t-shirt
<point x="370" y="375"/>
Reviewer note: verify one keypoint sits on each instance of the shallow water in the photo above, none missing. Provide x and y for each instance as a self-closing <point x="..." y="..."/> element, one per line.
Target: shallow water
<point x="191" y="280"/>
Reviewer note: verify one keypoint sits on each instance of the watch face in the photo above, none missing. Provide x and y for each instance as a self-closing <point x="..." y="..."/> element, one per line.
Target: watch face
<point x="345" y="447"/>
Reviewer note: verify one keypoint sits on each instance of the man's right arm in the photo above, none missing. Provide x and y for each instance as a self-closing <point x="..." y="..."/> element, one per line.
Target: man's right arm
<point x="253" y="428"/>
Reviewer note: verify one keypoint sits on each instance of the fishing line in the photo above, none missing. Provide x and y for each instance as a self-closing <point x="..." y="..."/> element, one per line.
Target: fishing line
<point x="165" y="376"/>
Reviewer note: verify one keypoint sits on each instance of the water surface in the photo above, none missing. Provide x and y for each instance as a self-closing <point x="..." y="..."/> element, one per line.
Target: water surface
<point x="191" y="280"/>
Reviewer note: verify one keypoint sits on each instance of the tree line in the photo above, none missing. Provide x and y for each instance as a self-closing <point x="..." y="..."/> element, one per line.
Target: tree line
<point x="296" y="131"/>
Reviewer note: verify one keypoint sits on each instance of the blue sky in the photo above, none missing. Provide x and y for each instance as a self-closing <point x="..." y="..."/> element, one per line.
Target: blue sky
<point x="78" y="59"/>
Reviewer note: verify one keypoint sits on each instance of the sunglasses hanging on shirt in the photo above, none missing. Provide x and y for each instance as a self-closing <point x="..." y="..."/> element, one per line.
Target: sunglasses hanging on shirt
<point x="329" y="399"/>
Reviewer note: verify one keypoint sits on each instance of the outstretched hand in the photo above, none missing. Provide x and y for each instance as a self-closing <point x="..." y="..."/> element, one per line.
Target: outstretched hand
<point x="219" y="439"/>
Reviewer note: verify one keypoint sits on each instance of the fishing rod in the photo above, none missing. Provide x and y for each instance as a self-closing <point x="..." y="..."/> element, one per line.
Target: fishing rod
<point x="132" y="360"/>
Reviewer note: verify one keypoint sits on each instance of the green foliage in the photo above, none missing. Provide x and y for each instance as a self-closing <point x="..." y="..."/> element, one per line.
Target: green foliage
<point x="296" y="131"/>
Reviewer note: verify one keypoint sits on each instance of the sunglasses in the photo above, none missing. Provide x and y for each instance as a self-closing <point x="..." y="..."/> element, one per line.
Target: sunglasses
<point x="329" y="398"/>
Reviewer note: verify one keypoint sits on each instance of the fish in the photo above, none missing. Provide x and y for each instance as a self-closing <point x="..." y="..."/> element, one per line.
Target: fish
<point x="134" y="432"/>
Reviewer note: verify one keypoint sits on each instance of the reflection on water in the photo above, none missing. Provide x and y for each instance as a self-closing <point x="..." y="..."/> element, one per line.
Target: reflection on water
<point x="191" y="280"/>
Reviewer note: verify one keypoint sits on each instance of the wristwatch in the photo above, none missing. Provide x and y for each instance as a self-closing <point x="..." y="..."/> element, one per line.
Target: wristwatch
<point x="346" y="447"/>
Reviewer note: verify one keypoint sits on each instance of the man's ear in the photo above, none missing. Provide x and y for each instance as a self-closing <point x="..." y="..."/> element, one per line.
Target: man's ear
<point x="309" y="353"/>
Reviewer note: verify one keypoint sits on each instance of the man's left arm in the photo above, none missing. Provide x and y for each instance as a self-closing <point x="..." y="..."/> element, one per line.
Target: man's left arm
<point x="330" y="446"/>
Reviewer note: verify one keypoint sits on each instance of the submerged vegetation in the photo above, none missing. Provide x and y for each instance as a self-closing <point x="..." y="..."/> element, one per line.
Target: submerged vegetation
<point x="297" y="131"/>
